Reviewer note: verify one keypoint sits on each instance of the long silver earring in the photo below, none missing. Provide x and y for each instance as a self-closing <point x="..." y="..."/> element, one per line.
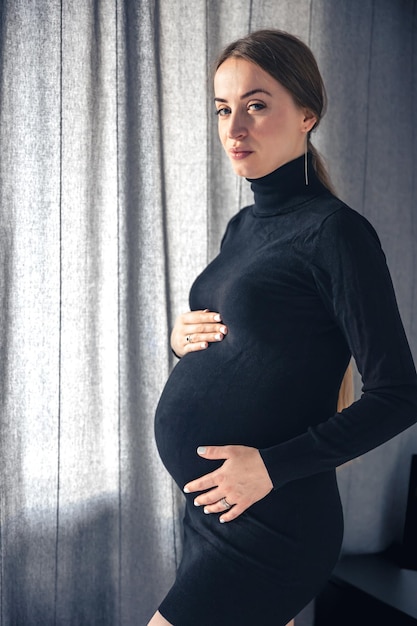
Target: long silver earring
<point x="306" y="161"/>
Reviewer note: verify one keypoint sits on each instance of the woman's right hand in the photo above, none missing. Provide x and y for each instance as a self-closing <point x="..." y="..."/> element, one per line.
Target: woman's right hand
<point x="194" y="331"/>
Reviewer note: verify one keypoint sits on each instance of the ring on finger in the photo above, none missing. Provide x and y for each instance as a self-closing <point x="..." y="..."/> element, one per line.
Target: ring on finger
<point x="226" y="504"/>
<point x="188" y="339"/>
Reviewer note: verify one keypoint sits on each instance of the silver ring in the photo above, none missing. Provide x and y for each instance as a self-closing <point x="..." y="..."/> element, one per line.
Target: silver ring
<point x="188" y="339"/>
<point x="226" y="504"/>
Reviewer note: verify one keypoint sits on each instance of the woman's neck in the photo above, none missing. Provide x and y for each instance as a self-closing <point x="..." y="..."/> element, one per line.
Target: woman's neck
<point x="285" y="189"/>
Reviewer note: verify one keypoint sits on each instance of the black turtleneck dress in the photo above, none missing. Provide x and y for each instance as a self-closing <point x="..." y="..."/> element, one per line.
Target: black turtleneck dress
<point x="302" y="284"/>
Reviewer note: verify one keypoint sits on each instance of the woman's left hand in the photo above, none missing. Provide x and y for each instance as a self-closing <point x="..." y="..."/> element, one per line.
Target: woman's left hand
<point x="241" y="481"/>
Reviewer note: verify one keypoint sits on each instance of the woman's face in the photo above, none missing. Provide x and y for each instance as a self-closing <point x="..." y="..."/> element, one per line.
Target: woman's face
<point x="260" y="126"/>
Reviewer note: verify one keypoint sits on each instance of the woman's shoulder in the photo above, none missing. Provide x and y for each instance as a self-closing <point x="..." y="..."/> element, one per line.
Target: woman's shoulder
<point x="345" y="237"/>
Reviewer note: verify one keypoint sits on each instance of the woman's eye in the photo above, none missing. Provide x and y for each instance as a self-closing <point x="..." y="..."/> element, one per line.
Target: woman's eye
<point x="256" y="106"/>
<point x="223" y="111"/>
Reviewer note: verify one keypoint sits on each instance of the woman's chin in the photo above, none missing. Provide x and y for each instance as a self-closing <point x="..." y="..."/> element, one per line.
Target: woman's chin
<point x="245" y="170"/>
<point x="248" y="168"/>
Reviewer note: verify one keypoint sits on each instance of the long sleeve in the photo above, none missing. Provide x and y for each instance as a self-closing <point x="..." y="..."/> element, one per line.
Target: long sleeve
<point x="352" y="278"/>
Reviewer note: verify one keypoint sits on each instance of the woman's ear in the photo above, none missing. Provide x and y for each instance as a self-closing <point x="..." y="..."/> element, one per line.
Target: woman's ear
<point x="309" y="120"/>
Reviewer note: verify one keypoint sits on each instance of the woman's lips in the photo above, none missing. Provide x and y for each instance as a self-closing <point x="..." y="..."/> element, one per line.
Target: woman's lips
<point x="238" y="154"/>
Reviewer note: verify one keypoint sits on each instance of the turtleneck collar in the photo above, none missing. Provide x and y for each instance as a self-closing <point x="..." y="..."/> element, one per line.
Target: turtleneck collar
<point x="284" y="190"/>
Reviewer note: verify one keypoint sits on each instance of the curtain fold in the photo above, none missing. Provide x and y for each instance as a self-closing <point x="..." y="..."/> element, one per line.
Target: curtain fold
<point x="30" y="305"/>
<point x="143" y="314"/>
<point x="114" y="194"/>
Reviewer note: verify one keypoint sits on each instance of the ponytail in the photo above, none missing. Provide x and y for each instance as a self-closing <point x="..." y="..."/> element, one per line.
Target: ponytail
<point x="346" y="391"/>
<point x="320" y="168"/>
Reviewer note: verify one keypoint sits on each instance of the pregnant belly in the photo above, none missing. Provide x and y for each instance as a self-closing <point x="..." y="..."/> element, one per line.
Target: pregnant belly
<point x="214" y="398"/>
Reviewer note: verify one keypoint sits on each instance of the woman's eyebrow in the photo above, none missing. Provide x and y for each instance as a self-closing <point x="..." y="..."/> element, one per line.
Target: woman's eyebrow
<point x="246" y="95"/>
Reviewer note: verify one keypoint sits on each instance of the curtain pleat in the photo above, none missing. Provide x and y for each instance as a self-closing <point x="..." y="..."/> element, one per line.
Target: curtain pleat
<point x="88" y="495"/>
<point x="30" y="306"/>
<point x="146" y="493"/>
<point x="114" y="194"/>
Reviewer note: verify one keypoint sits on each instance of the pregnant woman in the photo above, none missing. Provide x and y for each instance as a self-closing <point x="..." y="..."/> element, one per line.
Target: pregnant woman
<point x="248" y="423"/>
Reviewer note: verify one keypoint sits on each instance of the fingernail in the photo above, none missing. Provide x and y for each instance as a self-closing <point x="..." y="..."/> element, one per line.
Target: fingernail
<point x="204" y="345"/>
<point x="218" y="336"/>
<point x="196" y="503"/>
<point x="186" y="490"/>
<point x="223" y="330"/>
<point x="217" y="318"/>
<point x="206" y="511"/>
<point x="201" y="450"/>
<point x="222" y="521"/>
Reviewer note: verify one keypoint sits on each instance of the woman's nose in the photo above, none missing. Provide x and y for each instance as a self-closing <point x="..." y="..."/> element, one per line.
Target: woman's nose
<point x="237" y="127"/>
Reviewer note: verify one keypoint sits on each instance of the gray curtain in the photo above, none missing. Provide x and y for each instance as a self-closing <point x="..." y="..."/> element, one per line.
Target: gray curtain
<point x="114" y="193"/>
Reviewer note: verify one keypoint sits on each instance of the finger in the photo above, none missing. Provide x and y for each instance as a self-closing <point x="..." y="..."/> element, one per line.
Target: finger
<point x="227" y="515"/>
<point x="218" y="507"/>
<point x="204" y="330"/>
<point x="195" y="347"/>
<point x="216" y="452"/>
<point x="232" y="513"/>
<point x="200" y="317"/>
<point x="208" y="481"/>
<point x="209" y="498"/>
<point x="200" y="338"/>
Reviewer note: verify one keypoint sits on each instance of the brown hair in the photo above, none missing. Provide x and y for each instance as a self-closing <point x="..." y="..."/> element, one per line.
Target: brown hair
<point x="291" y="62"/>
